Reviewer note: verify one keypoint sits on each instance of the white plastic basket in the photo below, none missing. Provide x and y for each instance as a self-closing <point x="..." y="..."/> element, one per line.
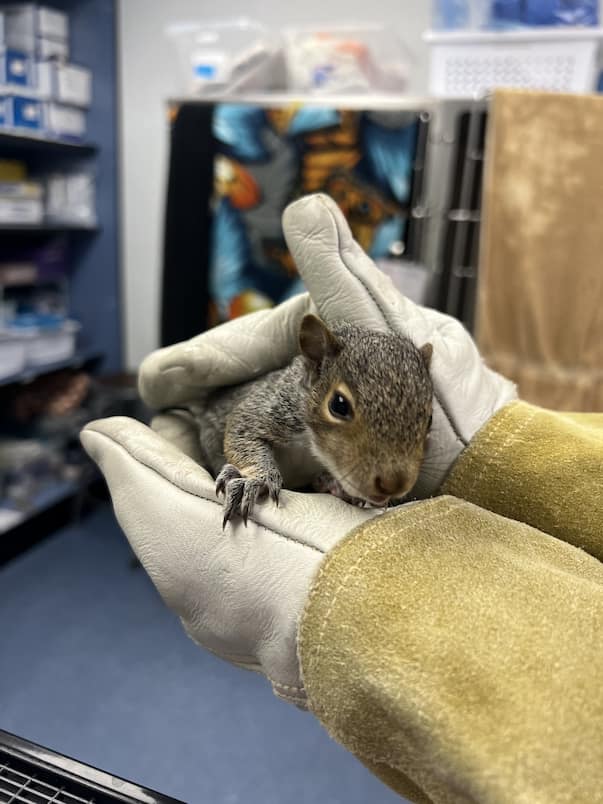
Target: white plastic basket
<point x="472" y="63"/>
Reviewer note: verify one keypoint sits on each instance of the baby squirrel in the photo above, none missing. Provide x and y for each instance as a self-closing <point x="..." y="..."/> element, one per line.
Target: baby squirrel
<point x="349" y="415"/>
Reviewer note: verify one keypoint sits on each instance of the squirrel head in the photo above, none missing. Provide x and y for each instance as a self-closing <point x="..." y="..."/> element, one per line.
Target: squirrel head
<point x="369" y="406"/>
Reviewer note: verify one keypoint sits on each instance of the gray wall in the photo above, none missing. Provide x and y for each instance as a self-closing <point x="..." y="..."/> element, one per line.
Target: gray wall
<point x="149" y="75"/>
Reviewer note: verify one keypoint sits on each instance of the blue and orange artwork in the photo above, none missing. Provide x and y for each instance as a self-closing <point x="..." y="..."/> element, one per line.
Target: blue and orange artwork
<point x="269" y="157"/>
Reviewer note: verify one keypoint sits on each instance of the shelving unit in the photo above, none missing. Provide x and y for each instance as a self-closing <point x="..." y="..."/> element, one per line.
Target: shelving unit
<point x="17" y="142"/>
<point x="46" y="498"/>
<point x="79" y="360"/>
<point x="93" y="250"/>
<point x="45" y="228"/>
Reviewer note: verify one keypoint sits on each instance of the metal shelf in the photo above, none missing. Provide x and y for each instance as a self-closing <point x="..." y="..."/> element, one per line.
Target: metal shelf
<point x="17" y="142"/>
<point x="45" y="228"/>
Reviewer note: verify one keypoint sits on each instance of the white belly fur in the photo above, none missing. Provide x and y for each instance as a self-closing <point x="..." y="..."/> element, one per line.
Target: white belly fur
<point x="298" y="465"/>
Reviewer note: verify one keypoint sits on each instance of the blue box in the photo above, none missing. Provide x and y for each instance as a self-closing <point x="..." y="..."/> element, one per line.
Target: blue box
<point x="17" y="111"/>
<point x="17" y="69"/>
<point x="27" y="113"/>
<point x="560" y="12"/>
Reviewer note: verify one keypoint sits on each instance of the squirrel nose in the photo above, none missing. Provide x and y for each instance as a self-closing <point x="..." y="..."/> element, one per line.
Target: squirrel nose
<point x="391" y="483"/>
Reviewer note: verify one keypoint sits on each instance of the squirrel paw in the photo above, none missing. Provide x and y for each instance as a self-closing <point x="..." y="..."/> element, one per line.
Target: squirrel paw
<point x="241" y="493"/>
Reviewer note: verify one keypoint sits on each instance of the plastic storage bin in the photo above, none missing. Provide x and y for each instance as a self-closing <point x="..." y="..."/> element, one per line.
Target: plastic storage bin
<point x="472" y="63"/>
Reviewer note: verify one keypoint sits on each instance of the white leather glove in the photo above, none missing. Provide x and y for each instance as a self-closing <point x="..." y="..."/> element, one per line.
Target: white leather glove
<point x="241" y="593"/>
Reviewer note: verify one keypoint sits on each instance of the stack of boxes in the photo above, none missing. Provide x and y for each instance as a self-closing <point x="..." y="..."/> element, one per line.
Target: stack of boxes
<point x="40" y="91"/>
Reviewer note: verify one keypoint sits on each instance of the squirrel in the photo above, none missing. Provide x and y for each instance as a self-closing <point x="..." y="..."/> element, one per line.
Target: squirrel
<point x="349" y="415"/>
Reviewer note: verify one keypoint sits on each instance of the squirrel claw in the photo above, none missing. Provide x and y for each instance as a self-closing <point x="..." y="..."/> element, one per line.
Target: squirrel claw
<point x="228" y="473"/>
<point x="241" y="493"/>
<point x="232" y="498"/>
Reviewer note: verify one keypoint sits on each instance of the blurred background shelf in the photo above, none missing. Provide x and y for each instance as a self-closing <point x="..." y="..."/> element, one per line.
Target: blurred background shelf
<point x="46" y="498"/>
<point x="15" y="142"/>
<point x="45" y="228"/>
<point x="78" y="360"/>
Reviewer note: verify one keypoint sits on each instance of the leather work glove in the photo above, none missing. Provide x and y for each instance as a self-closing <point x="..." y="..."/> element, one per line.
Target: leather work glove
<point x="241" y="593"/>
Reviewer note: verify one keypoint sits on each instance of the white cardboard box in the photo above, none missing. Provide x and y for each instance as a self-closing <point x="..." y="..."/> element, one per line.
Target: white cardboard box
<point x="45" y="48"/>
<point x="52" y="23"/>
<point x="71" y="198"/>
<point x="64" y="83"/>
<point x="21" y="202"/>
<point x="73" y="85"/>
<point x="25" y="24"/>
<point x="64" y="121"/>
<point x="21" y="210"/>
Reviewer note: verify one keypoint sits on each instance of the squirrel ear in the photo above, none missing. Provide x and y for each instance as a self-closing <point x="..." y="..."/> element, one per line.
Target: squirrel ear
<point x="427" y="351"/>
<point x="316" y="341"/>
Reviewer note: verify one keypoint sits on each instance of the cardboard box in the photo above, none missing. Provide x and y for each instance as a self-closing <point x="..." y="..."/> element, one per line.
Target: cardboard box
<point x="18" y="111"/>
<point x="27" y="23"/>
<point x="64" y="83"/>
<point x="64" y="121"/>
<point x="26" y="113"/>
<point x="45" y="48"/>
<point x="52" y="23"/>
<point x="21" y="202"/>
<point x="17" y="69"/>
<point x="73" y="85"/>
<point x="12" y="170"/>
<point x="71" y="198"/>
<point x="45" y="80"/>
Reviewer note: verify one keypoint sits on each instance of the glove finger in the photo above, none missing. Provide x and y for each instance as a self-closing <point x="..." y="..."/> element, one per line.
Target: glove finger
<point x="343" y="281"/>
<point x="180" y="429"/>
<point x="234" y="352"/>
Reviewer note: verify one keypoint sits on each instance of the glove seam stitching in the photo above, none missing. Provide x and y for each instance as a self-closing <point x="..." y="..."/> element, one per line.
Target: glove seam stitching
<point x="282" y="686"/>
<point x="502" y="447"/>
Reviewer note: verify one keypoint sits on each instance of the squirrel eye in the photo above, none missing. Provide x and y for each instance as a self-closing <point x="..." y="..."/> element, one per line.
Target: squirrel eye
<point x="340" y="407"/>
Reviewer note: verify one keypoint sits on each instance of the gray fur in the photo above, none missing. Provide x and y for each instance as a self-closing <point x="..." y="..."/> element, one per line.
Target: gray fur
<point x="245" y="428"/>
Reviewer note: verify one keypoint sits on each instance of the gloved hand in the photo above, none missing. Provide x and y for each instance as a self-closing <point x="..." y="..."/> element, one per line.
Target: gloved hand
<point x="241" y="594"/>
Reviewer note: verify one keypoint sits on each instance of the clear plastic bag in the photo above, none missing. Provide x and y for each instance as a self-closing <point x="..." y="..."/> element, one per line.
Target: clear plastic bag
<point x="342" y="59"/>
<point x="223" y="56"/>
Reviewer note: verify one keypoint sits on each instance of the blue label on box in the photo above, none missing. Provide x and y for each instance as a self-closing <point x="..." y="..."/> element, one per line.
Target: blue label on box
<point x="18" y="68"/>
<point x="27" y="113"/>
